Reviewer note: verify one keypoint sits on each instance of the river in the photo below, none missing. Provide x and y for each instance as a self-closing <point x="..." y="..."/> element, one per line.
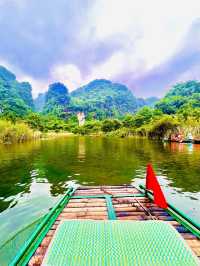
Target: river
<point x="34" y="175"/>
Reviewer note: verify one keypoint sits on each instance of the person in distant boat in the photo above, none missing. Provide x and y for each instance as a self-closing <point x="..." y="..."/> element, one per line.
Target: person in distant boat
<point x="180" y="137"/>
<point x="190" y="137"/>
<point x="172" y="137"/>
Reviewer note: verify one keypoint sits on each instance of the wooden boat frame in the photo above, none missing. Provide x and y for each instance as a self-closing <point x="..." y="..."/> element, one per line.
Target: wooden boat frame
<point x="29" y="248"/>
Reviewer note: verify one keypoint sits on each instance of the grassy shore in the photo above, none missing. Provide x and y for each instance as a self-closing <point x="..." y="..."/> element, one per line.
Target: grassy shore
<point x="50" y="135"/>
<point x="16" y="132"/>
<point x="20" y="132"/>
<point x="158" y="127"/>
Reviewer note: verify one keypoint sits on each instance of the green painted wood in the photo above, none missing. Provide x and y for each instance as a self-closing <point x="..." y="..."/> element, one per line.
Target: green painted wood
<point x="38" y="235"/>
<point x="111" y="210"/>
<point x="179" y="216"/>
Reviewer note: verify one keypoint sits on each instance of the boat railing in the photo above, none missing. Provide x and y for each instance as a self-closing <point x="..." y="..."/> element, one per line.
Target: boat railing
<point x="181" y="217"/>
<point x="39" y="233"/>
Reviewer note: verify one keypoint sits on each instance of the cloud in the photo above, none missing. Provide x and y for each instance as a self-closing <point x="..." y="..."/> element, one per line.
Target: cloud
<point x="181" y="66"/>
<point x="70" y="75"/>
<point x="38" y="85"/>
<point x="140" y="43"/>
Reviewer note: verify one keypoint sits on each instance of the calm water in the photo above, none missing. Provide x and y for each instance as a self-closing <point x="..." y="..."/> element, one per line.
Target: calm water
<point x="34" y="175"/>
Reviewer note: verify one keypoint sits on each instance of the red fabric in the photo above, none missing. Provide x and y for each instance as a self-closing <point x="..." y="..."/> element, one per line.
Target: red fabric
<point x="152" y="184"/>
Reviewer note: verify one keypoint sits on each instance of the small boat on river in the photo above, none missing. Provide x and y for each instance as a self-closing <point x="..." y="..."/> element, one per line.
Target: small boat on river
<point x="112" y="225"/>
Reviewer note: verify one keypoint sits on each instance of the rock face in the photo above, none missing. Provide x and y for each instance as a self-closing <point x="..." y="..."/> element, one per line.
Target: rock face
<point x="81" y="118"/>
<point x="6" y="75"/>
<point x="57" y="99"/>
<point x="39" y="102"/>
<point x="15" y="97"/>
<point x="25" y="93"/>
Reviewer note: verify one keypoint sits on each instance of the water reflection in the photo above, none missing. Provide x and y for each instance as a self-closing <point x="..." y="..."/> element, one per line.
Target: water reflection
<point x="94" y="161"/>
<point x="43" y="170"/>
<point x="81" y="149"/>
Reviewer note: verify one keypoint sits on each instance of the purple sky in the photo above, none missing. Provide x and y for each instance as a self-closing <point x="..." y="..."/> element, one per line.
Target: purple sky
<point x="147" y="45"/>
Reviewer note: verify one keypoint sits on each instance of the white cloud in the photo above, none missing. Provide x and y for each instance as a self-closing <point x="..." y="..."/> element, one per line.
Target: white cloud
<point x="69" y="74"/>
<point x="113" y="66"/>
<point x="150" y="31"/>
<point x="38" y="86"/>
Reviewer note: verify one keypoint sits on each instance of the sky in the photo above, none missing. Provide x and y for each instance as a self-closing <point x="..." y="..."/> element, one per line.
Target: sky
<point x="146" y="45"/>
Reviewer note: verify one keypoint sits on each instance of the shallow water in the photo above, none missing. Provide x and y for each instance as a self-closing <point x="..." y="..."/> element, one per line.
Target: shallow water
<point x="34" y="175"/>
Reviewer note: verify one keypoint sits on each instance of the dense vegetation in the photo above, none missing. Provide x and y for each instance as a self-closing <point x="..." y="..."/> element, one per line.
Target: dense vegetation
<point x="15" y="97"/>
<point x="178" y="111"/>
<point x="100" y="99"/>
<point x="182" y="98"/>
<point x="110" y="108"/>
<point x="57" y="100"/>
<point x="19" y="132"/>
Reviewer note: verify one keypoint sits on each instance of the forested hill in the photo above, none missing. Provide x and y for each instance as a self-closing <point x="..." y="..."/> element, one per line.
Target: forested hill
<point x="57" y="100"/>
<point x="104" y="99"/>
<point x="15" y="97"/>
<point x="98" y="99"/>
<point x="183" y="98"/>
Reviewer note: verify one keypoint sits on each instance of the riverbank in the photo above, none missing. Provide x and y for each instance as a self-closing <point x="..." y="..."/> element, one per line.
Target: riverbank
<point x="157" y="126"/>
<point x="50" y="135"/>
<point x="165" y="127"/>
<point x="11" y="133"/>
<point x="16" y="132"/>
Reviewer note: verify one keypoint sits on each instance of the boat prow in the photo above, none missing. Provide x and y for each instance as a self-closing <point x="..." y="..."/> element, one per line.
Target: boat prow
<point x="107" y="224"/>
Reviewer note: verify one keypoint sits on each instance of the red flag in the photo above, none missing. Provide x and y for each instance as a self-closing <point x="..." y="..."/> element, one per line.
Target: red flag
<point x="152" y="184"/>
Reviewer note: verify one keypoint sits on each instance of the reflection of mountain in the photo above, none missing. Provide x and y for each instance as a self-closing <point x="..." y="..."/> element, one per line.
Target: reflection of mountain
<point x="15" y="166"/>
<point x="182" y="166"/>
<point x="97" y="160"/>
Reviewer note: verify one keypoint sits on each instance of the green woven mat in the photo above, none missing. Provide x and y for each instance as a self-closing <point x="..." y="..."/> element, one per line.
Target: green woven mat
<point x="117" y="243"/>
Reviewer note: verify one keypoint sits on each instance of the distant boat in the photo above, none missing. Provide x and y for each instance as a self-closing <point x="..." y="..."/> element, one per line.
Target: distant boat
<point x="179" y="138"/>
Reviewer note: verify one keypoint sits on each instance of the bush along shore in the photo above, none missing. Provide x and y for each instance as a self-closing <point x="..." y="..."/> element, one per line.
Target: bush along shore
<point x="16" y="132"/>
<point x="147" y="122"/>
<point x="20" y="132"/>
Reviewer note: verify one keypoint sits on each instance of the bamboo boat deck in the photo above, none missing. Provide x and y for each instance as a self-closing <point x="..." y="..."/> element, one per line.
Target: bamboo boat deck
<point x="112" y="202"/>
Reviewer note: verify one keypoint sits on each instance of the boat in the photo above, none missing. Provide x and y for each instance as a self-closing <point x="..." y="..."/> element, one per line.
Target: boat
<point x="179" y="138"/>
<point x="111" y="225"/>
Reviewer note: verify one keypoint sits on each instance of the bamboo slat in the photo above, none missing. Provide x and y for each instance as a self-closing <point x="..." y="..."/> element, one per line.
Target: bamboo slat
<point x="85" y="204"/>
<point x="126" y="208"/>
<point x="196" y="250"/>
<point x="86" y="209"/>
<point x="85" y="200"/>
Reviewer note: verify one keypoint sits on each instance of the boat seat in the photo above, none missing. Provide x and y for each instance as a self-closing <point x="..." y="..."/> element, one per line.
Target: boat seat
<point x="118" y="243"/>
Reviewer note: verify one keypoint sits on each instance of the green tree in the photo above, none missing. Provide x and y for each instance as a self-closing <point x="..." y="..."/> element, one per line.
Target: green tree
<point x="57" y="100"/>
<point x="110" y="125"/>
